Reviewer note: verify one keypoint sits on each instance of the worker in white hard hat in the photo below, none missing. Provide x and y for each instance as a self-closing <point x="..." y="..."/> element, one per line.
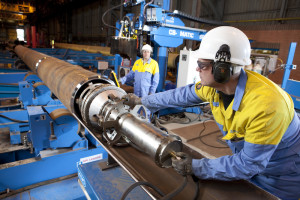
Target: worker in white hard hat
<point x="144" y="73"/>
<point x="256" y="116"/>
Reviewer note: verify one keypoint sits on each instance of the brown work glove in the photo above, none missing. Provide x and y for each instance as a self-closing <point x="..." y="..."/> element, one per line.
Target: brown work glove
<point x="182" y="163"/>
<point x="131" y="100"/>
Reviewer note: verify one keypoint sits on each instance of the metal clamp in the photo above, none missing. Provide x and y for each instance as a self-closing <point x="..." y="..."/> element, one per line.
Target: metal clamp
<point x="286" y="66"/>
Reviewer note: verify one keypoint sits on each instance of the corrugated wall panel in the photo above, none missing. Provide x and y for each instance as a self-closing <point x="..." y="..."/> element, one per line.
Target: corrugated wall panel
<point x="241" y="10"/>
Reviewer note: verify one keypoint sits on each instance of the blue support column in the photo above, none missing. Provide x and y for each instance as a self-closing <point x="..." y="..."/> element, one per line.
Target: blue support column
<point x="141" y="18"/>
<point x="289" y="64"/>
<point x="162" y="63"/>
<point x="155" y="51"/>
<point x="166" y="5"/>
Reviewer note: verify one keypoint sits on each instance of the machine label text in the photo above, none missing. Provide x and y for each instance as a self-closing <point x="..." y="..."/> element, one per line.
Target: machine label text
<point x="91" y="158"/>
<point x="172" y="32"/>
<point x="171" y="20"/>
<point x="186" y="34"/>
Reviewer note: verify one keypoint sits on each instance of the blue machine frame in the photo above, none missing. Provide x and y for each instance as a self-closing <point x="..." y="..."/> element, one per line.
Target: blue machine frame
<point x="165" y="30"/>
<point x="39" y="139"/>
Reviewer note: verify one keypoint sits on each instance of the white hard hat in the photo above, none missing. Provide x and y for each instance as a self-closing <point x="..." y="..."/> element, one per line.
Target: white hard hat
<point x="237" y="41"/>
<point x="147" y="47"/>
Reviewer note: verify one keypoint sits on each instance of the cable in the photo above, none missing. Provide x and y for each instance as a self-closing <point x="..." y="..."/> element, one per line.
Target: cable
<point x="281" y="67"/>
<point x="138" y="184"/>
<point x="106" y="13"/>
<point x="144" y="12"/>
<point x="159" y="125"/>
<point x="176" y="191"/>
<point x="197" y="188"/>
<point x="202" y="136"/>
<point x="166" y="197"/>
<point x="180" y="121"/>
<point x="14" y="120"/>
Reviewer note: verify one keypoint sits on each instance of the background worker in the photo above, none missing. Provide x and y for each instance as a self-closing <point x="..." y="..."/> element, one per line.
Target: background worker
<point x="144" y="74"/>
<point x="256" y="117"/>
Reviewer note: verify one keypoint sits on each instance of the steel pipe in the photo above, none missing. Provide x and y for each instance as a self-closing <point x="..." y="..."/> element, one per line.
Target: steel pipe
<point x="97" y="103"/>
<point x="65" y="80"/>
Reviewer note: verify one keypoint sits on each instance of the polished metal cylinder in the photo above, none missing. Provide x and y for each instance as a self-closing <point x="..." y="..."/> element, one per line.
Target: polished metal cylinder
<point x="150" y="139"/>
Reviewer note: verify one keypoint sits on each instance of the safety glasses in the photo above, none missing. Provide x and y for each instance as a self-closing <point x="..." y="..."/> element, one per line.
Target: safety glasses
<point x="204" y="65"/>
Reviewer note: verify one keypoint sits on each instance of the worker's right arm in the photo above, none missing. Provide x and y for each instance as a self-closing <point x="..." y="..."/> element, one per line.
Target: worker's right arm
<point x="179" y="97"/>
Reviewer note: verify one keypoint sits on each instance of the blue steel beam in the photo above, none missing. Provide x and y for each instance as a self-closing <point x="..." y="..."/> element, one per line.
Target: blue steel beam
<point x="9" y="90"/>
<point x="11" y="76"/>
<point x="289" y="64"/>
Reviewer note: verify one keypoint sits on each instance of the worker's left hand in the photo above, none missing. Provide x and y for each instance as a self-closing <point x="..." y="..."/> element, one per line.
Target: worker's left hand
<point x="182" y="163"/>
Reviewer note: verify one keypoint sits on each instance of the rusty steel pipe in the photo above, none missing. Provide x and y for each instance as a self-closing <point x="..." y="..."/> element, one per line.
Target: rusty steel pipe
<point x="62" y="78"/>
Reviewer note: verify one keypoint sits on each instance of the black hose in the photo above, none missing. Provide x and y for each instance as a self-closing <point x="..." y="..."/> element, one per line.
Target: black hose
<point x="179" y="121"/>
<point x="166" y="197"/>
<point x="176" y="191"/>
<point x="14" y="120"/>
<point x="144" y="12"/>
<point x="138" y="184"/>
<point x="106" y="13"/>
<point x="196" y="180"/>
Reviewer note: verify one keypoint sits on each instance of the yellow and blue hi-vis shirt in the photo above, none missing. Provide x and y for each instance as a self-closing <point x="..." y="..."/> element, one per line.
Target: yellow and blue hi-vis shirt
<point x="145" y="77"/>
<point x="260" y="126"/>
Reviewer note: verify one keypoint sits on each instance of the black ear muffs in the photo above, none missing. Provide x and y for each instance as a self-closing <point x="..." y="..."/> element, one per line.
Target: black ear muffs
<point x="221" y="72"/>
<point x="222" y="69"/>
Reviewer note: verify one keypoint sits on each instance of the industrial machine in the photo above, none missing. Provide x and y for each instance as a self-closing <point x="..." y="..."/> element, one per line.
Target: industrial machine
<point x="157" y="25"/>
<point x="71" y="115"/>
<point x="186" y="69"/>
<point x="162" y="28"/>
<point x="83" y="118"/>
<point x="264" y="64"/>
<point x="141" y="149"/>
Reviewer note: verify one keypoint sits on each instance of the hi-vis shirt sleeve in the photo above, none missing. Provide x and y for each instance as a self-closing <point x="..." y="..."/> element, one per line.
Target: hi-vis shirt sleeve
<point x="183" y="96"/>
<point x="156" y="68"/>
<point x="205" y="93"/>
